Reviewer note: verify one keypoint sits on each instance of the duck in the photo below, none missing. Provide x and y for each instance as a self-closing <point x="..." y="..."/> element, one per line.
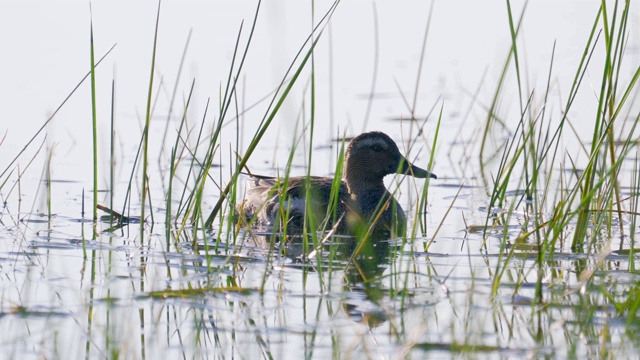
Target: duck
<point x="363" y="203"/>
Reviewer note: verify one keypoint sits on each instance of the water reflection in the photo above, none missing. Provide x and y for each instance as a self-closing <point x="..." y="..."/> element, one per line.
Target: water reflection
<point x="363" y="280"/>
<point x="361" y="261"/>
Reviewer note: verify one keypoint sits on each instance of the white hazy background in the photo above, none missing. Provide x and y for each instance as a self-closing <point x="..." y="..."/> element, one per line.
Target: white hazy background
<point x="45" y="52"/>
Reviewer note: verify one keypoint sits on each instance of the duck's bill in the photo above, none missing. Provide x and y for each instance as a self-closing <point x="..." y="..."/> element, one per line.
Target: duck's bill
<point x="409" y="169"/>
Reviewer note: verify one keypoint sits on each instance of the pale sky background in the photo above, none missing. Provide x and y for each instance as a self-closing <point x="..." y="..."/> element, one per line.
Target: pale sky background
<point x="46" y="52"/>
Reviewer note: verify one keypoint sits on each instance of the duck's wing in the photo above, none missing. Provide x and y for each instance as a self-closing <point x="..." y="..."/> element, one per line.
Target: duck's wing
<point x="257" y="193"/>
<point x="262" y="198"/>
<point x="320" y="188"/>
<point x="317" y="198"/>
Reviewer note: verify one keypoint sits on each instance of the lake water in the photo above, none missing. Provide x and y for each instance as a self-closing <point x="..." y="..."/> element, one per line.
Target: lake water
<point x="179" y="293"/>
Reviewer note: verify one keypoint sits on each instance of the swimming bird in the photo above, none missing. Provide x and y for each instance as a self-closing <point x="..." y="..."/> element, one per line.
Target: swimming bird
<point x="362" y="199"/>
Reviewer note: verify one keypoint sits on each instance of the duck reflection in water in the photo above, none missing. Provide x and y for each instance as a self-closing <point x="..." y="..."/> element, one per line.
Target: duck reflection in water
<point x="362" y="283"/>
<point x="361" y="263"/>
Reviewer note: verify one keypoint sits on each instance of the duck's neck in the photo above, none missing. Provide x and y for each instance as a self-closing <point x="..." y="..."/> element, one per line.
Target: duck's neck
<point x="363" y="187"/>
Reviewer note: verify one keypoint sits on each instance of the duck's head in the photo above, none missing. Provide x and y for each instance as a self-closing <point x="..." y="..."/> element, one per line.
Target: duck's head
<point x="372" y="156"/>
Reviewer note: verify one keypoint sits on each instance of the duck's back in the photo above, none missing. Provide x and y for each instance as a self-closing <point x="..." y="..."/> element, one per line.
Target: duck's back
<point x="262" y="204"/>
